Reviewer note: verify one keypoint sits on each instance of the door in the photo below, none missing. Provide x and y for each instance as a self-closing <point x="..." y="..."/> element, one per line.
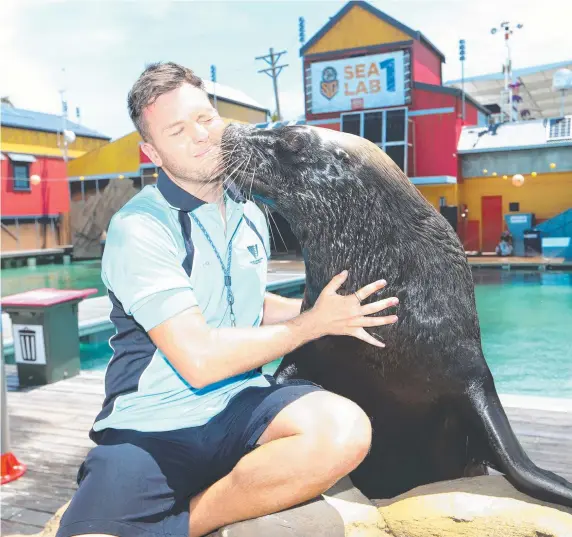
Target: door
<point x="491" y="211"/>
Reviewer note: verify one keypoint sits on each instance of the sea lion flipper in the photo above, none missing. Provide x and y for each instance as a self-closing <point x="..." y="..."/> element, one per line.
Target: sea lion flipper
<point x="507" y="455"/>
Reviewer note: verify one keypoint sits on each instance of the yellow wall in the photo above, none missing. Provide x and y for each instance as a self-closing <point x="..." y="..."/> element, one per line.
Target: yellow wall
<point x="241" y="114"/>
<point x="432" y="193"/>
<point x="545" y="195"/>
<point x="358" y="28"/>
<point x="27" y="137"/>
<point x="120" y="156"/>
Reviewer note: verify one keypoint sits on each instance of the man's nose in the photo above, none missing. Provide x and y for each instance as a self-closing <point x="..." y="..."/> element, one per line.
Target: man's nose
<point x="199" y="133"/>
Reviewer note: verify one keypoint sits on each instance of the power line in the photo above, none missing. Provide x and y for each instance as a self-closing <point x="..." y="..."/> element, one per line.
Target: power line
<point x="273" y="71"/>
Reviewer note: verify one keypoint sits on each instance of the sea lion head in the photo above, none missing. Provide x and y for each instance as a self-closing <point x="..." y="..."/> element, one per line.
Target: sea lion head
<point x="301" y="170"/>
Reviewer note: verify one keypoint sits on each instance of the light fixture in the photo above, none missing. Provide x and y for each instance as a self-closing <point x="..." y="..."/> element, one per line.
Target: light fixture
<point x="517" y="179"/>
<point x="35" y="179"/>
<point x="485" y="171"/>
<point x="121" y="177"/>
<point x="81" y="178"/>
<point x="534" y="174"/>
<point x="505" y="176"/>
<point x="494" y="174"/>
<point x="553" y="165"/>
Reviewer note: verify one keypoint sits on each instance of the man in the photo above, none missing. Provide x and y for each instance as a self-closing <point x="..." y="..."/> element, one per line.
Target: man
<point x="191" y="435"/>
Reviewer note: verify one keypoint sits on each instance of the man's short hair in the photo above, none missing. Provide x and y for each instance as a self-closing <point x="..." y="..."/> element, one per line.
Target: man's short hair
<point x="157" y="79"/>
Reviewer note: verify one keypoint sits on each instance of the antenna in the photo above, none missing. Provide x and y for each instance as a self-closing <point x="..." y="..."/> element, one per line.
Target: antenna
<point x="506" y="93"/>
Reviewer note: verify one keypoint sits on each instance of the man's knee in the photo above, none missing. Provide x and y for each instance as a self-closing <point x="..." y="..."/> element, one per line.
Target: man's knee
<point x="339" y="431"/>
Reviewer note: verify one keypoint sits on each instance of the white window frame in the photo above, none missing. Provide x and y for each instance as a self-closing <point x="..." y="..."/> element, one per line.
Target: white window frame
<point x="383" y="143"/>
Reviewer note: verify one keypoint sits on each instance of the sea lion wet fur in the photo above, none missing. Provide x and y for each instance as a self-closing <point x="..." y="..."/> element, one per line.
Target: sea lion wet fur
<point x="430" y="394"/>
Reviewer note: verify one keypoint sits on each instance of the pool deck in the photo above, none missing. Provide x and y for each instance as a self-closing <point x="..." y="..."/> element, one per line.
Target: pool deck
<point x="49" y="433"/>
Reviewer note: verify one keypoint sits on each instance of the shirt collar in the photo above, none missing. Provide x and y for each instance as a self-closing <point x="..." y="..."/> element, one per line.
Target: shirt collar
<point x="183" y="201"/>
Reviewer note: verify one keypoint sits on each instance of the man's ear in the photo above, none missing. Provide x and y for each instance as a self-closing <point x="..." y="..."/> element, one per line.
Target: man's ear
<point x="154" y="157"/>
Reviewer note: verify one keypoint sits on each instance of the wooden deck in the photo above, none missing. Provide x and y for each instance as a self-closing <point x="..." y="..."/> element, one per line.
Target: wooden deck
<point x="49" y="427"/>
<point x="534" y="263"/>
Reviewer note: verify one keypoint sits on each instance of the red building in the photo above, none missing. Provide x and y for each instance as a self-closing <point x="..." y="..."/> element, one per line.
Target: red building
<point x="35" y="188"/>
<point x="367" y="74"/>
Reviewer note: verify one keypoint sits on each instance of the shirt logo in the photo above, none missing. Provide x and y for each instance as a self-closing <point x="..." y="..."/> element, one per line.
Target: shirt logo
<point x="253" y="249"/>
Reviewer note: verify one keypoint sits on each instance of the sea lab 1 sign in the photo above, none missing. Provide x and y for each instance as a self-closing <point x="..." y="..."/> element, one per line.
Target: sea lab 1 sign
<point x="374" y="81"/>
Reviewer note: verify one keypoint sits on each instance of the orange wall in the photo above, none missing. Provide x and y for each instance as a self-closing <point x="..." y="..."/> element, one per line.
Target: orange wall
<point x="358" y="28"/>
<point x="545" y="195"/>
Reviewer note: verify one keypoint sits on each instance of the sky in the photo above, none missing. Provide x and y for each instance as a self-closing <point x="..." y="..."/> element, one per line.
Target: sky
<point x="96" y="49"/>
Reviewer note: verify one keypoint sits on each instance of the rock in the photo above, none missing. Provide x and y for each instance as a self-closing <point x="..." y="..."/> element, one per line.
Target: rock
<point x="473" y="507"/>
<point x="485" y="506"/>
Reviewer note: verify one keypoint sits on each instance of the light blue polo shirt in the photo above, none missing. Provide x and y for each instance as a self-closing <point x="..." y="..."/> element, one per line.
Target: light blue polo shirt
<point x="158" y="262"/>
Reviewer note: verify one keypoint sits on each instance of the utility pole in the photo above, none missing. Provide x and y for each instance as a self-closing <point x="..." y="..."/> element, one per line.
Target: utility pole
<point x="213" y="80"/>
<point x="462" y="58"/>
<point x="273" y="71"/>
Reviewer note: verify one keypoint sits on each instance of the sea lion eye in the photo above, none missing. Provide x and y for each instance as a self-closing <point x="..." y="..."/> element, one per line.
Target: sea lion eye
<point x="342" y="155"/>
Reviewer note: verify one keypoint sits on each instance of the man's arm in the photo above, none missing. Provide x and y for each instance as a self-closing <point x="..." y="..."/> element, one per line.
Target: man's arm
<point x="279" y="309"/>
<point x="204" y="355"/>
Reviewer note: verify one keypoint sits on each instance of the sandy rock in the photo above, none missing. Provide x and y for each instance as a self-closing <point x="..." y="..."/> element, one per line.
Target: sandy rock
<point x="485" y="506"/>
<point x="473" y="507"/>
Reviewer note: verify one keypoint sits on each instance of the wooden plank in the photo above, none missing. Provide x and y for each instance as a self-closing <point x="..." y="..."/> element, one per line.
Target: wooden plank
<point x="9" y="528"/>
<point x="31" y="517"/>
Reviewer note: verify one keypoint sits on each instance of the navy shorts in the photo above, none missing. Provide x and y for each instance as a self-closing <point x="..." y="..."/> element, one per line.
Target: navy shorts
<point x="140" y="484"/>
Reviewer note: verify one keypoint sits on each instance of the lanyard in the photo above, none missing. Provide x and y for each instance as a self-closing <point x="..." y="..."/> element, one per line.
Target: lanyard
<point x="225" y="270"/>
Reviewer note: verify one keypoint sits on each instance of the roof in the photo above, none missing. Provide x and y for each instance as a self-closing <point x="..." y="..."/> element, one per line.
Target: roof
<point x="534" y="86"/>
<point x="39" y="121"/>
<point x="415" y="34"/>
<point x="232" y="95"/>
<point x="508" y="136"/>
<point x="451" y="91"/>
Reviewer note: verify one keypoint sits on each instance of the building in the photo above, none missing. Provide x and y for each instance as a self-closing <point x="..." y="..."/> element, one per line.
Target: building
<point x="368" y="74"/>
<point x="516" y="176"/>
<point x="35" y="189"/>
<point x="536" y="145"/>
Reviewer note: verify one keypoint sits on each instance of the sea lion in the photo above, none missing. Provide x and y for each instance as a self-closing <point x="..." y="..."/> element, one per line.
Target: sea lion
<point x="429" y="393"/>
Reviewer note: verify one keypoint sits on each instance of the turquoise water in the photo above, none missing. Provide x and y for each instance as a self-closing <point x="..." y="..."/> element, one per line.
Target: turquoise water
<point x="525" y="318"/>
<point x="78" y="275"/>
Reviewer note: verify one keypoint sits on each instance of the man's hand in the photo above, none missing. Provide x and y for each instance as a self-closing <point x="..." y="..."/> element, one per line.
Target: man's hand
<point x="339" y="315"/>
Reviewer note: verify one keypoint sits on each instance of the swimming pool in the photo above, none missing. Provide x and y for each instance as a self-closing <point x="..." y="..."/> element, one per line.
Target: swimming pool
<point x="525" y="318"/>
<point x="77" y="275"/>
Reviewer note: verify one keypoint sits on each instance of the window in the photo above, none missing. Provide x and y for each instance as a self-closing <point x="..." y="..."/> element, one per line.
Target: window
<point x="385" y="128"/>
<point x="373" y="127"/>
<point x="397" y="154"/>
<point x="21" y="176"/>
<point x="351" y="123"/>
<point x="395" y="130"/>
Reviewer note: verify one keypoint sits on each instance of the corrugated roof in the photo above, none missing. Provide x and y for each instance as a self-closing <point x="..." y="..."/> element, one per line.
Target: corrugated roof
<point x="39" y="121"/>
<point x="533" y="85"/>
<point x="233" y="95"/>
<point x="507" y="136"/>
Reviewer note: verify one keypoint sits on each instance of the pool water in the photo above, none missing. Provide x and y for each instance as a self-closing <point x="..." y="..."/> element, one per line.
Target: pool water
<point x="525" y="318"/>
<point x="77" y="275"/>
